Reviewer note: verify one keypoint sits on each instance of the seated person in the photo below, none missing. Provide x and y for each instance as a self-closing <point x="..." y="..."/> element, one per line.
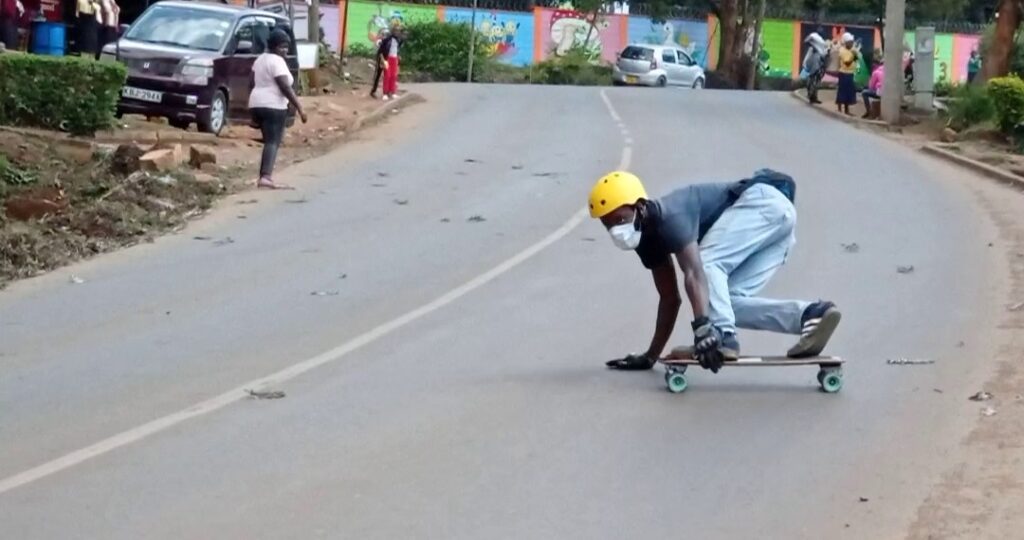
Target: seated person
<point x="874" y="88"/>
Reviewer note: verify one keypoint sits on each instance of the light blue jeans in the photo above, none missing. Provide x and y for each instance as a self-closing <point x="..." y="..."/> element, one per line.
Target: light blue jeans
<point x="741" y="252"/>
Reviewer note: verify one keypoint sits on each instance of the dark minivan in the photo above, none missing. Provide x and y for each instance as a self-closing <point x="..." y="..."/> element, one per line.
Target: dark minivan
<point x="192" y="61"/>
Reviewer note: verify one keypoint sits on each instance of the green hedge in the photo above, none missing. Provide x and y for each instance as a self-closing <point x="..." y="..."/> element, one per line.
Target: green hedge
<point x="440" y="51"/>
<point x="62" y="93"/>
<point x="1007" y="95"/>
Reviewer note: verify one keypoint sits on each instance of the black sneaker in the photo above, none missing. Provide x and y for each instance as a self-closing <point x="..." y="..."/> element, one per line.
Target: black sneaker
<point x="730" y="348"/>
<point x="819" y="321"/>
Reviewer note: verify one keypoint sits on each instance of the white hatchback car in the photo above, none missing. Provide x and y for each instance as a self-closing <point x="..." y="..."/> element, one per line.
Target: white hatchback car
<point x="657" y="65"/>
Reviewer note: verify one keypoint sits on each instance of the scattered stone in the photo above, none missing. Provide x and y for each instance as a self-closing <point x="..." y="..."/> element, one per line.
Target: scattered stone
<point x="864" y="499"/>
<point x="401" y="202"/>
<point x="909" y="361"/>
<point x="981" y="396"/>
<point x="343" y="276"/>
<point x="161" y="160"/>
<point x="1017" y="306"/>
<point x="76" y="280"/>
<point x="297" y="201"/>
<point x="949" y="135"/>
<point x="324" y="293"/>
<point x="383" y="175"/>
<point x="517" y="167"/>
<point x="851" y="248"/>
<point x="378" y="184"/>
<point x="960" y="344"/>
<point x="36" y="204"/>
<point x="988" y="411"/>
<point x="471" y="160"/>
<point x="126" y="158"/>
<point x="199" y="155"/>
<point x="588" y="239"/>
<point x="265" y="394"/>
<point x="224" y="241"/>
<point x="250" y="201"/>
<point x="545" y="174"/>
<point x="476" y="219"/>
<point x="905" y="269"/>
<point x="937" y="390"/>
<point x="202" y="238"/>
<point x="446" y="220"/>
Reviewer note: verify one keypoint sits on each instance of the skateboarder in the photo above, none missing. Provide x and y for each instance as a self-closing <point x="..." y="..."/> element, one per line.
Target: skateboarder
<point x="728" y="239"/>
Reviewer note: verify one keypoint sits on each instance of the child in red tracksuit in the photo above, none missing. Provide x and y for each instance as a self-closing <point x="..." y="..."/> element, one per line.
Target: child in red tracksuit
<point x="391" y="67"/>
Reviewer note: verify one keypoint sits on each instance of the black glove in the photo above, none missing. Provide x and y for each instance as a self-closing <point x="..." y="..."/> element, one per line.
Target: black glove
<point x="633" y="362"/>
<point x="707" y="338"/>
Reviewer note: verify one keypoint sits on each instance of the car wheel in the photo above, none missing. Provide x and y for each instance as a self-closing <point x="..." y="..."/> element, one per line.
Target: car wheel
<point x="662" y="82"/>
<point x="698" y="84"/>
<point x="180" y="124"/>
<point x="213" y="119"/>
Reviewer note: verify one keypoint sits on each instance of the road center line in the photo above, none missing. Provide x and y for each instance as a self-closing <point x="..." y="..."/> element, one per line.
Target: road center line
<point x="223" y="400"/>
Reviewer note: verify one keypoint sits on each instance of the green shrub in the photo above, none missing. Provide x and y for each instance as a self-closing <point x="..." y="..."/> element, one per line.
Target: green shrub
<point x="360" y="50"/>
<point x="66" y="93"/>
<point x="1007" y="94"/>
<point x="971" y="105"/>
<point x="440" y="51"/>
<point x="944" y="88"/>
<point x="574" y="68"/>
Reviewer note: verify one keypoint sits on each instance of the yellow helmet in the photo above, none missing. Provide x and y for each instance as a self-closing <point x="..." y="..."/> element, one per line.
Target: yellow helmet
<point x="613" y="190"/>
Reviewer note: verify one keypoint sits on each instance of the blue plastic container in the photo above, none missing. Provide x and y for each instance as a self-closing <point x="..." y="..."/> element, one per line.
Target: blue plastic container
<point x="48" y="38"/>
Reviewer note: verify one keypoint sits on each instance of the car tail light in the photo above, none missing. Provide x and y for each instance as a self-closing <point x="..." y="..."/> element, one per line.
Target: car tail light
<point x="654" y="65"/>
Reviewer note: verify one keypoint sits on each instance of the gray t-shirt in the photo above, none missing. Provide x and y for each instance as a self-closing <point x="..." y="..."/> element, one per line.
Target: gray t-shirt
<point x="679" y="219"/>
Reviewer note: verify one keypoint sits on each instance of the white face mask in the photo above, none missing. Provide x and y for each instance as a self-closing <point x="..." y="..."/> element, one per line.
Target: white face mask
<point x="625" y="236"/>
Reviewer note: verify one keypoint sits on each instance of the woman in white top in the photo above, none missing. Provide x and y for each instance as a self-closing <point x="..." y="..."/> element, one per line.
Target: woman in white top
<point x="268" y="102"/>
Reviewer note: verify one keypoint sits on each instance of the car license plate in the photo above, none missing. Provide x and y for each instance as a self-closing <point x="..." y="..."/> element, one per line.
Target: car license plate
<point x="141" y="94"/>
<point x="631" y="80"/>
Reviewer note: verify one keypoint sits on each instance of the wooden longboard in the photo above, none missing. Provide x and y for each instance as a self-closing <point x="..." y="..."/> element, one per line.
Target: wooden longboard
<point x="762" y="361"/>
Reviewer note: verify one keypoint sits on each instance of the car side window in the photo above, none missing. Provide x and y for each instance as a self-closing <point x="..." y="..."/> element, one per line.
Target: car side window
<point x="251" y="36"/>
<point x="684" y="58"/>
<point x="668" y="56"/>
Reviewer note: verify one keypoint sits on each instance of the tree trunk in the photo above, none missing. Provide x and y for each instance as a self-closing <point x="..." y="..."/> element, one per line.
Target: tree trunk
<point x="997" y="58"/>
<point x="727" y="47"/>
<point x="755" y="58"/>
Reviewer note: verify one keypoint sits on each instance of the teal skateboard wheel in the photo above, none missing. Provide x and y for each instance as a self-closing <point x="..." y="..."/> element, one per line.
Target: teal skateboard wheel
<point x="676" y="382"/>
<point x="831" y="380"/>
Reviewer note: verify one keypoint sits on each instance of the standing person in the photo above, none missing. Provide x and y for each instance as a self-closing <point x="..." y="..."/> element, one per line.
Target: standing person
<point x="88" y="21"/>
<point x="815" y="62"/>
<point x="110" y="17"/>
<point x="268" y="102"/>
<point x="381" y="60"/>
<point x="874" y="87"/>
<point x="391" y="68"/>
<point x="10" y="12"/>
<point x="846" y="93"/>
<point x="728" y="240"/>
<point x="973" y="66"/>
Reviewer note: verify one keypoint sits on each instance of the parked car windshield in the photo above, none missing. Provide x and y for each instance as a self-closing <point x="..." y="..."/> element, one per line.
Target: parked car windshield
<point x="638" y="53"/>
<point x="189" y="28"/>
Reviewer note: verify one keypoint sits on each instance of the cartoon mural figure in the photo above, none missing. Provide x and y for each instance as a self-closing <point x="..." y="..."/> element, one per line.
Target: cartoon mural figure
<point x="499" y="37"/>
<point x="569" y="30"/>
<point x="378" y="24"/>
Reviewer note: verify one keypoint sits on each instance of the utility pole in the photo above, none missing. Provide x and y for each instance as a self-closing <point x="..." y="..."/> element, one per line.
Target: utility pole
<point x="892" y="91"/>
<point x="472" y="43"/>
<point x="314" y="21"/>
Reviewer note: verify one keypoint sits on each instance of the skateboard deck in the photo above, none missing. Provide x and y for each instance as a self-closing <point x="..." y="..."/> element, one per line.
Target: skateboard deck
<point x="830" y="371"/>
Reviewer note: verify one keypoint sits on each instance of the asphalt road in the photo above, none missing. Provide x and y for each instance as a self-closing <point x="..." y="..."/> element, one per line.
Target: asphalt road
<point x="448" y="381"/>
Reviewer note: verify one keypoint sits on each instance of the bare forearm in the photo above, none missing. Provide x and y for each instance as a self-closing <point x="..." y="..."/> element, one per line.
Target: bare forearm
<point x="668" y="312"/>
<point x="696" y="285"/>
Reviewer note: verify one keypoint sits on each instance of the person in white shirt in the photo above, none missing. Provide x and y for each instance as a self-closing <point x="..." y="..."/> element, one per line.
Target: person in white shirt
<point x="268" y="102"/>
<point x="110" y="17"/>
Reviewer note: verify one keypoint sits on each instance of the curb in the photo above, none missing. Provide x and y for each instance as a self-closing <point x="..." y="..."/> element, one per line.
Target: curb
<point x="796" y="94"/>
<point x="384" y="110"/>
<point x="995" y="173"/>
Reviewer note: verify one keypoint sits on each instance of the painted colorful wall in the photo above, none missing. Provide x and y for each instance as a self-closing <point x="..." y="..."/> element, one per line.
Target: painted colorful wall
<point x="691" y="35"/>
<point x="522" y="38"/>
<point x="508" y="34"/>
<point x="556" y="31"/>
